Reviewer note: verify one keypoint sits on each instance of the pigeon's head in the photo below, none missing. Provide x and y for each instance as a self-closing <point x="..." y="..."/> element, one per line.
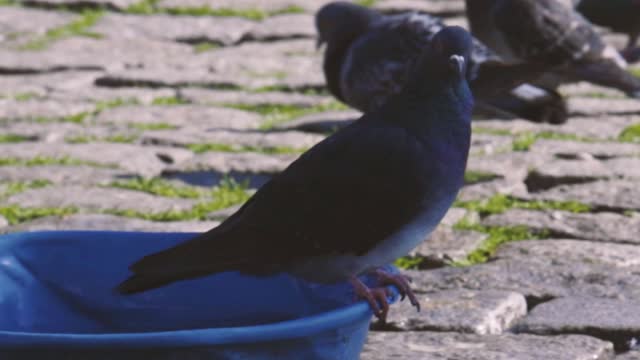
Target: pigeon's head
<point x="339" y="23"/>
<point x="444" y="62"/>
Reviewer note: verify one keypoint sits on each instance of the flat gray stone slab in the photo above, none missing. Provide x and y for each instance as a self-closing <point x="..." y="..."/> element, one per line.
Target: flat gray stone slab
<point x="449" y="346"/>
<point x="485" y="190"/>
<point x="442" y="7"/>
<point x="98" y="198"/>
<point x="573" y="149"/>
<point x="3" y="222"/>
<point x="585" y="89"/>
<point x="269" y="6"/>
<point x="42" y="84"/>
<point x="109" y="222"/>
<point x="112" y="4"/>
<point x="218" y="97"/>
<point x="600" y="227"/>
<point x="193" y="116"/>
<point x="511" y="165"/>
<point x="290" y="26"/>
<point x="144" y="161"/>
<point x="537" y="278"/>
<point x="324" y="122"/>
<point x="296" y="141"/>
<point x="558" y="172"/>
<point x="82" y="53"/>
<point x="597" y="106"/>
<point x="612" y="320"/>
<point x="631" y="355"/>
<point x="51" y="132"/>
<point x="485" y="144"/>
<point x="245" y="163"/>
<point x="13" y="24"/>
<point x="614" y="194"/>
<point x="64" y="175"/>
<point x="446" y="244"/>
<point x="618" y="255"/>
<point x="478" y="312"/>
<point x="98" y="94"/>
<point x="11" y="109"/>
<point x="192" y="29"/>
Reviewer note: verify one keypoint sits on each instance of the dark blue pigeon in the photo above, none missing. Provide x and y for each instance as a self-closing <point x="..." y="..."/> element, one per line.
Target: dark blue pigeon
<point x="354" y="202"/>
<point x="368" y="55"/>
<point x="551" y="32"/>
<point x="621" y="16"/>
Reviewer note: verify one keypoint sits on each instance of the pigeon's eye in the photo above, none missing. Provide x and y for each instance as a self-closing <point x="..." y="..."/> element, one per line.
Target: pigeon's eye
<point x="456" y="63"/>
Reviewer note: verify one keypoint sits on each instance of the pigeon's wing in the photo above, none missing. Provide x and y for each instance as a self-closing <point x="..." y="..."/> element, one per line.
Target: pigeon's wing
<point x="546" y="31"/>
<point x="344" y="196"/>
<point x="377" y="64"/>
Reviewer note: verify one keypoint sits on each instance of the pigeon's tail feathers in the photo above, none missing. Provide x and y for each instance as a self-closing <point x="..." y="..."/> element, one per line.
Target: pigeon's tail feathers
<point x="607" y="73"/>
<point x="194" y="258"/>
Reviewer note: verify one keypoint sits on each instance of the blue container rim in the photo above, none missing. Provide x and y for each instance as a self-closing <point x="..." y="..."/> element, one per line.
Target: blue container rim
<point x="301" y="327"/>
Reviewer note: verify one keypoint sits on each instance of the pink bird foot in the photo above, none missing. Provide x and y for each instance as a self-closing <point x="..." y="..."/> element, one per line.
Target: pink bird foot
<point x="376" y="297"/>
<point x="402" y="283"/>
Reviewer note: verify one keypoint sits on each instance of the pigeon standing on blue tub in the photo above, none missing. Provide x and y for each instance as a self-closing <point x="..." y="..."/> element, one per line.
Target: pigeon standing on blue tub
<point x="550" y="31"/>
<point x="368" y="53"/>
<point x="354" y="202"/>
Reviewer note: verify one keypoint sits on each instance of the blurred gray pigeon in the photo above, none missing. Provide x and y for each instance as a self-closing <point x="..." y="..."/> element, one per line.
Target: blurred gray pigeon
<point x="550" y="31"/>
<point x="354" y="202"/>
<point x="621" y="16"/>
<point x="368" y="55"/>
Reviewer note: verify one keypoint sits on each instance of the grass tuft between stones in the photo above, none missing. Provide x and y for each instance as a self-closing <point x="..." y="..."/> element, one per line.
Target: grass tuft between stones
<point x="13" y="188"/>
<point x="46" y="160"/>
<point x="630" y="134"/>
<point x="525" y="140"/>
<point x="152" y="126"/>
<point x="474" y="177"/>
<point x="228" y="193"/>
<point x="500" y="203"/>
<point x="16" y="214"/>
<point x="169" y="100"/>
<point x="410" y="262"/>
<point x="160" y="187"/>
<point x="149" y="7"/>
<point x="275" y="114"/>
<point x="497" y="235"/>
<point x="78" y="27"/>
<point x="235" y="148"/>
<point x="12" y="138"/>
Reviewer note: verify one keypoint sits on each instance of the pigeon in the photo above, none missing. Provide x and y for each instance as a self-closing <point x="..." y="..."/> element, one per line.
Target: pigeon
<point x="523" y="31"/>
<point x="353" y="203"/>
<point x="368" y="54"/>
<point x="621" y="16"/>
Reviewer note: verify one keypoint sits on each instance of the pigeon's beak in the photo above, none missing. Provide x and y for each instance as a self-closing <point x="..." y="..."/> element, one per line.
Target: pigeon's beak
<point x="319" y="42"/>
<point x="457" y="64"/>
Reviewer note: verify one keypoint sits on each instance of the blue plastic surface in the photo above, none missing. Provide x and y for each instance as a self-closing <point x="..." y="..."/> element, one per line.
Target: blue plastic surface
<point x="57" y="302"/>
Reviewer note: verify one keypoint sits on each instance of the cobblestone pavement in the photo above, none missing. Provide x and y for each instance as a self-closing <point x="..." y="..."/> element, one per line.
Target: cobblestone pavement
<point x="164" y="115"/>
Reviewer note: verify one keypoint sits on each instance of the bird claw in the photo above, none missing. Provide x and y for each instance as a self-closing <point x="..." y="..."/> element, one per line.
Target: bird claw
<point x="376" y="298"/>
<point x="402" y="283"/>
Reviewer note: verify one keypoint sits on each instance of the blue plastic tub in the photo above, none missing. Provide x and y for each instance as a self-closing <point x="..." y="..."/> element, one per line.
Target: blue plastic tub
<point x="57" y="302"/>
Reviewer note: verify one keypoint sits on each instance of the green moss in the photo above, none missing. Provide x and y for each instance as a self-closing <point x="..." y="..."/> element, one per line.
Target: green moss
<point x="367" y="3"/>
<point x="276" y="114"/>
<point x="234" y="148"/>
<point x="160" y="187"/>
<point x="45" y="160"/>
<point x="152" y="126"/>
<point x="16" y="214"/>
<point x="147" y="7"/>
<point x="13" y="188"/>
<point x="410" y="262"/>
<point x="12" y="138"/>
<point x="491" y="131"/>
<point x="500" y="203"/>
<point x="228" y="193"/>
<point x="170" y="100"/>
<point x="121" y="139"/>
<point x="473" y="177"/>
<point x="635" y="71"/>
<point x="8" y="2"/>
<point x="284" y="88"/>
<point x="523" y="142"/>
<point x="25" y="96"/>
<point x="497" y="236"/>
<point x="114" y="103"/>
<point x="80" y="139"/>
<point x="78" y="27"/>
<point x="204" y="47"/>
<point x="630" y="134"/>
